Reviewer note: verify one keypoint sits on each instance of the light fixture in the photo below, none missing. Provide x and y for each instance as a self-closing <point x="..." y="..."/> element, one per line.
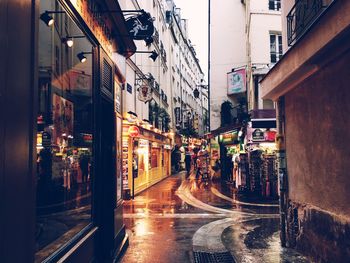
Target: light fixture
<point x="153" y="53"/>
<point x="81" y="56"/>
<point x="47" y="19"/>
<point x="149" y="41"/>
<point x="68" y="40"/>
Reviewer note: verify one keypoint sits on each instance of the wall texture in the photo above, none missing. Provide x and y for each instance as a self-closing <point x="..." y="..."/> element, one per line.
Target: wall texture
<point x="317" y="117"/>
<point x="318" y="154"/>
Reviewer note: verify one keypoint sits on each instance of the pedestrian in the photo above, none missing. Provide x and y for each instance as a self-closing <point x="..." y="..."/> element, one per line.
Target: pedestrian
<point x="176" y="158"/>
<point x="188" y="161"/>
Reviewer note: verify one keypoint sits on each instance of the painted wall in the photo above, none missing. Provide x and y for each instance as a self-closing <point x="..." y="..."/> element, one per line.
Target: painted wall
<point x="228" y="50"/>
<point x="318" y="147"/>
<point x="231" y="44"/>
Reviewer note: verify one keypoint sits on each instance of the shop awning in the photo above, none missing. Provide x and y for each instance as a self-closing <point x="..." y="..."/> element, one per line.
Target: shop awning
<point x="264" y="123"/>
<point x="226" y="129"/>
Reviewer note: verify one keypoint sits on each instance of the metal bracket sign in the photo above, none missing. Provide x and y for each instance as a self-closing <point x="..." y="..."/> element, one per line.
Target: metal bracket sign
<point x="141" y="26"/>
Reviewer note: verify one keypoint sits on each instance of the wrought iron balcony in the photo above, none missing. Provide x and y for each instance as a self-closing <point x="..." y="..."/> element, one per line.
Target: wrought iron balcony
<point x="302" y="15"/>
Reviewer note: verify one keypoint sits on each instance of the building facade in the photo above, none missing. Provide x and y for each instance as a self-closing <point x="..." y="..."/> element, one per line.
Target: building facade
<point x="61" y="179"/>
<point x="251" y="40"/>
<point x="151" y="110"/>
<point x="310" y="87"/>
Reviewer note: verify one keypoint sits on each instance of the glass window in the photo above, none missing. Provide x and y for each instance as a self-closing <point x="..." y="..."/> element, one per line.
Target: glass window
<point x="274" y="5"/>
<point x="64" y="133"/>
<point x="276" y="51"/>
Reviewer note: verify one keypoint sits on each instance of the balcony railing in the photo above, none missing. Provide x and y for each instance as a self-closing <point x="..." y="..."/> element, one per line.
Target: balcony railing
<point x="301" y="17"/>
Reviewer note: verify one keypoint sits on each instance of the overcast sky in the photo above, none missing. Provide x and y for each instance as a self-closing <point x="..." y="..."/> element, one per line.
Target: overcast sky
<point x="196" y="11"/>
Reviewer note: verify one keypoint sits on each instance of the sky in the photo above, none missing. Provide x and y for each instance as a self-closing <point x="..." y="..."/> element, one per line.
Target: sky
<point x="196" y="11"/>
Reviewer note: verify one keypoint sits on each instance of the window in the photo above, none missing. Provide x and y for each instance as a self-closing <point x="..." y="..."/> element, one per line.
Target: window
<point x="275" y="5"/>
<point x="275" y="47"/>
<point x="65" y="137"/>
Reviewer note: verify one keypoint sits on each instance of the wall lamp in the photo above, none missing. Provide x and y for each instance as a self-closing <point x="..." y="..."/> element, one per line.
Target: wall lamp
<point x="68" y="40"/>
<point x="149" y="41"/>
<point x="153" y="53"/>
<point x="47" y="19"/>
<point x="81" y="56"/>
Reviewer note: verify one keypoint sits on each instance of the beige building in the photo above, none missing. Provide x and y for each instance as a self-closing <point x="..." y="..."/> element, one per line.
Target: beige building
<point x="170" y="78"/>
<point x="246" y="37"/>
<point x="310" y="86"/>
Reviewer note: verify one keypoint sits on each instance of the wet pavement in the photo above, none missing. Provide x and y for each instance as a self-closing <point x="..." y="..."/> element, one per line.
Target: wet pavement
<point x="177" y="219"/>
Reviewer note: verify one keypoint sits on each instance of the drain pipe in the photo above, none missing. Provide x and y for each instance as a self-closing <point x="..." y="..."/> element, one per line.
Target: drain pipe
<point x="282" y="168"/>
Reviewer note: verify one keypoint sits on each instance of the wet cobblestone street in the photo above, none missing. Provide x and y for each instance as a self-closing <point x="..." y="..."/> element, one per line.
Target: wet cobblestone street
<point x="177" y="218"/>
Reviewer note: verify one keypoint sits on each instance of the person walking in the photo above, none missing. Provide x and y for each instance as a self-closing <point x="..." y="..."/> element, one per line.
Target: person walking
<point x="188" y="162"/>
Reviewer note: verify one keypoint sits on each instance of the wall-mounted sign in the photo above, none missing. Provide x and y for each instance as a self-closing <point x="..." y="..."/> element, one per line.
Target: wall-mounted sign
<point x="236" y="82"/>
<point x="143" y="143"/>
<point x="258" y="135"/>
<point x="128" y="88"/>
<point x="46" y="139"/>
<point x="140" y="27"/>
<point x="229" y="138"/>
<point x="145" y="93"/>
<point x="133" y="131"/>
<point x="167" y="147"/>
<point x="118" y="97"/>
<point x="261" y="135"/>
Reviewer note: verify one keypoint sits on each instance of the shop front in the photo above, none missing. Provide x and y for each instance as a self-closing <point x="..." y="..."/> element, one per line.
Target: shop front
<point x="261" y="149"/>
<point x="73" y="194"/>
<point x="146" y="157"/>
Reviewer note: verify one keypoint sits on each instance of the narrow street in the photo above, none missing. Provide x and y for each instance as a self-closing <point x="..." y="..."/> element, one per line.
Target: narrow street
<point x="181" y="220"/>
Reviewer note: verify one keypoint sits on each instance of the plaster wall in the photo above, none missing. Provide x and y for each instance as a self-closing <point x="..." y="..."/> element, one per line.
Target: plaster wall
<point x="317" y="127"/>
<point x="262" y="24"/>
<point x="228" y="50"/>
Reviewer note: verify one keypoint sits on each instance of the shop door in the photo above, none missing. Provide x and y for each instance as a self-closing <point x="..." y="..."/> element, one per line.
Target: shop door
<point x="107" y="168"/>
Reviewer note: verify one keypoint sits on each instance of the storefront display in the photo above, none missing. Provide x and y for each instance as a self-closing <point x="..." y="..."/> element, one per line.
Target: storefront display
<point x="149" y="151"/>
<point x="65" y="152"/>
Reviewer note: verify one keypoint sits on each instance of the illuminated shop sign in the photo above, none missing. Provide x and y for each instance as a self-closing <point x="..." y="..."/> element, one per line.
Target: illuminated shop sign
<point x="133" y="131"/>
<point x="229" y="138"/>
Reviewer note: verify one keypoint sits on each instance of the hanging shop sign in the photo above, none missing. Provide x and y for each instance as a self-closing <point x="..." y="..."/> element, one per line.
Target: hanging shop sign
<point x="134" y="131"/>
<point x="145" y="93"/>
<point x="140" y="27"/>
<point x="236" y="82"/>
<point x="177" y="116"/>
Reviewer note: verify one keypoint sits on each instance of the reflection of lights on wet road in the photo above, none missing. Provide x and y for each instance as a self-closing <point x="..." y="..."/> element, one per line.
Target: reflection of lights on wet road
<point x="142" y="228"/>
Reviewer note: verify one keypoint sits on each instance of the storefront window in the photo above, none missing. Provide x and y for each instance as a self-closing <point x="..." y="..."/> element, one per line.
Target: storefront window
<point x="155" y="152"/>
<point x="64" y="132"/>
